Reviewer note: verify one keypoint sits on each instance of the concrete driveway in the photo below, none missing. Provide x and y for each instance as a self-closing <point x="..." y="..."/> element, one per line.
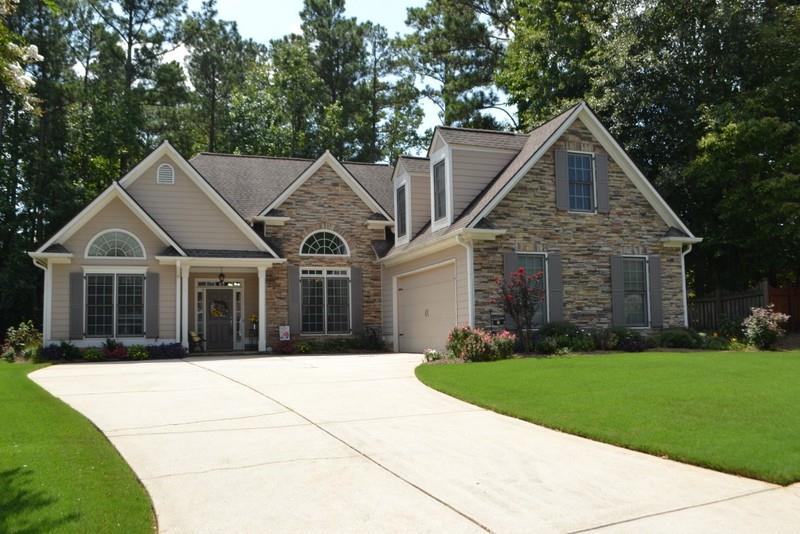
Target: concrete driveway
<point x="357" y="444"/>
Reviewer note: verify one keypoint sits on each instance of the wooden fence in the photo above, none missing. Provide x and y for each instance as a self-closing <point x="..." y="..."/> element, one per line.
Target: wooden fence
<point x="709" y="312"/>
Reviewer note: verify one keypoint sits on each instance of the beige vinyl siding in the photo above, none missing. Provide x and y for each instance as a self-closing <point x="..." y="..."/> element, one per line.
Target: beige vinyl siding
<point x="115" y="215"/>
<point x="420" y="202"/>
<point x="456" y="253"/>
<point x="472" y="172"/>
<point x="186" y="212"/>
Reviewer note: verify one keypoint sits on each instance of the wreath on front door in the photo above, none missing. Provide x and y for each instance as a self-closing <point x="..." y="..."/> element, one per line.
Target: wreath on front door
<point x="219" y="309"/>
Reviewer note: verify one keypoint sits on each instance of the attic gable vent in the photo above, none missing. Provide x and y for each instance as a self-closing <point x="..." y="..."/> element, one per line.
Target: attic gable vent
<point x="165" y="175"/>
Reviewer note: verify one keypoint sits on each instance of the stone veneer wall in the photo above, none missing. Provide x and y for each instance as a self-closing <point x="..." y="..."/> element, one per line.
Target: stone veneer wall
<point x="585" y="241"/>
<point x="324" y="201"/>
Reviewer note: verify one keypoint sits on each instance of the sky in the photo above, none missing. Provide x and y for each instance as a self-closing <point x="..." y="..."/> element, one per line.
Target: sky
<point x="263" y="20"/>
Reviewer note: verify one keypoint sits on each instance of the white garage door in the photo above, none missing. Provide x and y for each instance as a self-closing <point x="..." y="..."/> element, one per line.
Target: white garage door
<point x="426" y="309"/>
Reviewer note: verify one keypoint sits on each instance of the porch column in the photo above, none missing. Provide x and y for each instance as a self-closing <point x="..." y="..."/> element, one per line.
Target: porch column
<point x="262" y="308"/>
<point x="47" y="311"/>
<point x="178" y="301"/>
<point x="185" y="306"/>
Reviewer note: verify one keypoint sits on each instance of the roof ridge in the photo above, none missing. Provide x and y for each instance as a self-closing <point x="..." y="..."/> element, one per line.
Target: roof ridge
<point x="255" y="156"/>
<point x="285" y="158"/>
<point x="405" y="156"/>
<point x="483" y="130"/>
<point x="364" y="163"/>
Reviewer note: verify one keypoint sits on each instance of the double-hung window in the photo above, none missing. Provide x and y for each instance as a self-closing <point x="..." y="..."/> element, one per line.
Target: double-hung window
<point x="580" y="169"/>
<point x="536" y="265"/>
<point x="325" y="301"/>
<point x="401" y="211"/>
<point x="635" y="279"/>
<point x="439" y="192"/>
<point x="115" y="305"/>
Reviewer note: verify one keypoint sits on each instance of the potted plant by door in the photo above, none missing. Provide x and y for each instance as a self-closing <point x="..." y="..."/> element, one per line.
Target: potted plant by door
<point x="252" y="338"/>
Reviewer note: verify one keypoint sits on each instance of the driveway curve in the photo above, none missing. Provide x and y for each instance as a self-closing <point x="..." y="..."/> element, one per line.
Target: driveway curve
<point x="357" y="444"/>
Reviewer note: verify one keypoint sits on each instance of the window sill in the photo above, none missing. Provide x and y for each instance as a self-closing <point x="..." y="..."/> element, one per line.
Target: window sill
<point x="323" y="334"/>
<point x="581" y="212"/>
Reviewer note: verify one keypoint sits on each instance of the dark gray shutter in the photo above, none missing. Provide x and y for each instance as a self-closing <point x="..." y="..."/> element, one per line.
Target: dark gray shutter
<point x="562" y="180"/>
<point x="75" y="305"/>
<point x="617" y="291"/>
<point x="656" y="312"/>
<point x="601" y="182"/>
<point x="357" y="305"/>
<point x="555" y="289"/>
<point x="151" y="302"/>
<point x="293" y="274"/>
<point x="510" y="264"/>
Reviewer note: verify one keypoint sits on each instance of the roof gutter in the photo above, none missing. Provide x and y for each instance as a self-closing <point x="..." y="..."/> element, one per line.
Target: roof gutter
<point x="441" y="243"/>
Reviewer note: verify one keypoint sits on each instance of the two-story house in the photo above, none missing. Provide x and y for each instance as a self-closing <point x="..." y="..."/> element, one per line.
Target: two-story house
<point x="239" y="248"/>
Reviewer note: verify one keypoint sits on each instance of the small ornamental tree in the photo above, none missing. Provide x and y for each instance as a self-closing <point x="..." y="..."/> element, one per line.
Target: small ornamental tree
<point x="520" y="296"/>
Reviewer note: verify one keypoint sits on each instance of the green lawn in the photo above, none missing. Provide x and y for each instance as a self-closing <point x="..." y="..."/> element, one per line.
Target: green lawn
<point x="735" y="412"/>
<point x="58" y="473"/>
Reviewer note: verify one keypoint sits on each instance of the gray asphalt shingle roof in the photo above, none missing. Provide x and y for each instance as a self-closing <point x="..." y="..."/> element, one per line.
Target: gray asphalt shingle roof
<point x="251" y="183"/>
<point x="415" y="164"/>
<point x="533" y="141"/>
<point x="483" y="138"/>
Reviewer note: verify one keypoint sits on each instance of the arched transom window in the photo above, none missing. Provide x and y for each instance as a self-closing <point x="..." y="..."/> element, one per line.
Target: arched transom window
<point x="324" y="243"/>
<point x="115" y="244"/>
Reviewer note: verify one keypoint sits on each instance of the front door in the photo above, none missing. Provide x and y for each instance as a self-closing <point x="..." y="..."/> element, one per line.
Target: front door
<point x="219" y="319"/>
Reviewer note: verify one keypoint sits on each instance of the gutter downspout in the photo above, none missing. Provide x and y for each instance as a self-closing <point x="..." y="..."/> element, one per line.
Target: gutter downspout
<point x="685" y="293"/>
<point x="468" y="245"/>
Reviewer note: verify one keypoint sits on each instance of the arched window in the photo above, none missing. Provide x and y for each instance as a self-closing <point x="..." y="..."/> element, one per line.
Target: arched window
<point x="165" y="174"/>
<point x="115" y="244"/>
<point x="324" y="243"/>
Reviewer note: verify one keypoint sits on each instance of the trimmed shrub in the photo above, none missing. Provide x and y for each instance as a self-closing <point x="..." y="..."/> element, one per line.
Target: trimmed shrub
<point x="546" y="345"/>
<point x="715" y="342"/>
<point x="138" y="352"/>
<point x="70" y="352"/>
<point x="503" y="344"/>
<point x="166" y="351"/>
<point x="49" y="353"/>
<point x="285" y="347"/>
<point x="369" y="339"/>
<point x="764" y="326"/>
<point x="93" y="354"/>
<point x="559" y="328"/>
<point x="114" y="350"/>
<point x="679" y="338"/>
<point x="432" y="355"/>
<point x="604" y="339"/>
<point x="302" y="347"/>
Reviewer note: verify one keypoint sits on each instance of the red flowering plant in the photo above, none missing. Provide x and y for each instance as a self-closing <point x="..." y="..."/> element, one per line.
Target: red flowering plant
<point x="520" y="296"/>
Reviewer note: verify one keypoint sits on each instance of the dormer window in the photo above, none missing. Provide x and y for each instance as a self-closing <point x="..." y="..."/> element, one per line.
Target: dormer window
<point x="165" y="174"/>
<point x="439" y="192"/>
<point x="401" y="211"/>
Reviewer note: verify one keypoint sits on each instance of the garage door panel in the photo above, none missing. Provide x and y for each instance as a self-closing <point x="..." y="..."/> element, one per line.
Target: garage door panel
<point x="426" y="309"/>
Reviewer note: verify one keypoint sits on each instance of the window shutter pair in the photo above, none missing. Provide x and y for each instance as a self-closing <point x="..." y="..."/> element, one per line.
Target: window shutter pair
<point x="618" y="291"/>
<point x="600" y="181"/>
<point x="555" y="288"/>
<point x="356" y="304"/>
<point x="76" y="305"/>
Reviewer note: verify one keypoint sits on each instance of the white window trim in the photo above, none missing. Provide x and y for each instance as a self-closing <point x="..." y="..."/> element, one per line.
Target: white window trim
<point x="114" y="271"/>
<point x="324" y="275"/>
<point x="592" y="211"/>
<point x="404" y="182"/>
<point x="546" y="257"/>
<point x="646" y="259"/>
<point x="240" y="289"/>
<point x="171" y="181"/>
<point x="109" y="230"/>
<point x="443" y="154"/>
<point x="337" y="234"/>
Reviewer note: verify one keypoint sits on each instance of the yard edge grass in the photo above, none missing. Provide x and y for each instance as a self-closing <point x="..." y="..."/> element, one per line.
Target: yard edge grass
<point x="659" y="450"/>
<point x="115" y="469"/>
